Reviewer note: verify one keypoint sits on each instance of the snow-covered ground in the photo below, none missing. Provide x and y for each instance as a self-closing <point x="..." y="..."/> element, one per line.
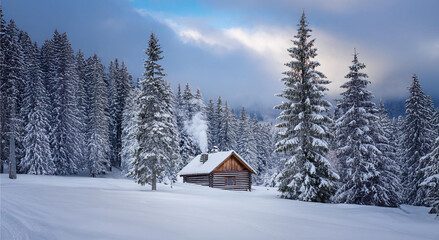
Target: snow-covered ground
<point x="55" y="207"/>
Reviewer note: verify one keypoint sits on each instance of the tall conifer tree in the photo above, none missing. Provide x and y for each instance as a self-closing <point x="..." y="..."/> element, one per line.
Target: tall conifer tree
<point x="304" y="122"/>
<point x="158" y="153"/>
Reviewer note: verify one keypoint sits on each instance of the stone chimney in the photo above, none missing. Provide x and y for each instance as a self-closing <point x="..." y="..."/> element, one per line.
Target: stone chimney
<point x="204" y="157"/>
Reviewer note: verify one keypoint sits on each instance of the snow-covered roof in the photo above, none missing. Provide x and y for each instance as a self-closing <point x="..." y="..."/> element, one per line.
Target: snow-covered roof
<point x="214" y="160"/>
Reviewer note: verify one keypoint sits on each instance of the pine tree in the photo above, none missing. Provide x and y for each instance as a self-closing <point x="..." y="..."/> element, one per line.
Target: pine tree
<point x="417" y="143"/>
<point x="123" y="88"/>
<point x="28" y="56"/>
<point x="65" y="137"/>
<point x="11" y="89"/>
<point x="130" y="128"/>
<point x="219" y="112"/>
<point x="113" y="110"/>
<point x="188" y="147"/>
<point x="157" y="155"/>
<point x="98" y="146"/>
<point x="37" y="158"/>
<point x="265" y="149"/>
<point x="246" y="144"/>
<point x="358" y="139"/>
<point x="211" y="123"/>
<point x="389" y="170"/>
<point x="306" y="175"/>
<point x="430" y="184"/>
<point x="82" y="101"/>
<point x="227" y="135"/>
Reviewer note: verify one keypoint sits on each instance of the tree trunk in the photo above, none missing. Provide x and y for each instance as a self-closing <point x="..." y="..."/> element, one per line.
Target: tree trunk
<point x="2" y="167"/>
<point x="154" y="182"/>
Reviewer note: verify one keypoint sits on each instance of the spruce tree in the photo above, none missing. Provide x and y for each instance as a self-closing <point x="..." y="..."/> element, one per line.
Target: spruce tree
<point x="219" y="113"/>
<point x="98" y="145"/>
<point x="417" y="143"/>
<point x="65" y="133"/>
<point x="112" y="110"/>
<point x="246" y="143"/>
<point x="304" y="122"/>
<point x="188" y="148"/>
<point x="37" y="158"/>
<point x="227" y="134"/>
<point x="123" y="88"/>
<point x="357" y="149"/>
<point x="130" y="128"/>
<point x="430" y="184"/>
<point x="82" y="101"/>
<point x="389" y="176"/>
<point x="211" y="123"/>
<point x="11" y="90"/>
<point x="158" y="153"/>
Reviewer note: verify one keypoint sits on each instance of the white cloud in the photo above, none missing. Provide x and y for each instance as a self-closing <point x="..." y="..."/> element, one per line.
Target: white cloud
<point x="270" y="44"/>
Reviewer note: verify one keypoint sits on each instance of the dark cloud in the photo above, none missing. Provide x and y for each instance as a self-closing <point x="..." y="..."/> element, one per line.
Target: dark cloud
<point x="393" y="36"/>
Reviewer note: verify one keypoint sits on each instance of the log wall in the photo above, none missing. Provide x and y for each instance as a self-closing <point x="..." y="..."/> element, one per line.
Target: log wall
<point x="197" y="179"/>
<point x="242" y="180"/>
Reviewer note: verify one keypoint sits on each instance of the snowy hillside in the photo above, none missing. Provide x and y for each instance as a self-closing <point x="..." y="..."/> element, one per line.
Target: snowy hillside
<point x="56" y="207"/>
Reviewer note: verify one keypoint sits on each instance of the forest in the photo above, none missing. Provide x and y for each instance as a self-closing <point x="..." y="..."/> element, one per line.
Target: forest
<point x="63" y="113"/>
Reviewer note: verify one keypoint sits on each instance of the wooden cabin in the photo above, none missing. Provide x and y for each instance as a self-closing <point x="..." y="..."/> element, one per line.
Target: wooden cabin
<point x="225" y="170"/>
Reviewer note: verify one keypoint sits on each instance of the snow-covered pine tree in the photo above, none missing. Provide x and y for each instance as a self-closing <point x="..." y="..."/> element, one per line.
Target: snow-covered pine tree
<point x="264" y="146"/>
<point x="113" y="72"/>
<point x="188" y="147"/>
<point x="234" y="125"/>
<point x="246" y="142"/>
<point x="65" y="133"/>
<point x="226" y="134"/>
<point x="304" y="122"/>
<point x="399" y="138"/>
<point x="130" y="128"/>
<point x="219" y="112"/>
<point x="158" y="153"/>
<point x="98" y="146"/>
<point x="82" y="98"/>
<point x="356" y="134"/>
<point x="27" y="48"/>
<point x="11" y="83"/>
<point x="37" y="158"/>
<point x="389" y="170"/>
<point x="431" y="182"/>
<point x="123" y="88"/>
<point x="199" y="105"/>
<point x="417" y="143"/>
<point x="431" y="112"/>
<point x="211" y="123"/>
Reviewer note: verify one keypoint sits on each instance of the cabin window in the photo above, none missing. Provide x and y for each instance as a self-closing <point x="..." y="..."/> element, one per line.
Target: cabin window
<point x="230" y="180"/>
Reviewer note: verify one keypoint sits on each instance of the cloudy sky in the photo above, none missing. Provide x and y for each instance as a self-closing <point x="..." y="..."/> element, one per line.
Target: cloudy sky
<point x="237" y="48"/>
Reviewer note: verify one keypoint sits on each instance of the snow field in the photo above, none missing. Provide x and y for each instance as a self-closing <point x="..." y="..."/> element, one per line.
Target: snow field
<point x="57" y="207"/>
